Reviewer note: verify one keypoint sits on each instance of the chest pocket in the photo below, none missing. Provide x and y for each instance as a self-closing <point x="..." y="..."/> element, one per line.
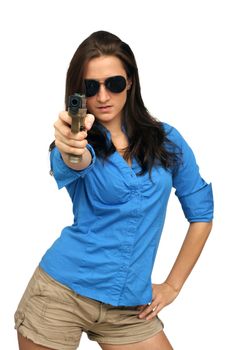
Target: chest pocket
<point x="109" y="182"/>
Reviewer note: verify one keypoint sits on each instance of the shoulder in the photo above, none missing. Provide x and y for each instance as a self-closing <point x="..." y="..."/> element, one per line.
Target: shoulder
<point x="172" y="134"/>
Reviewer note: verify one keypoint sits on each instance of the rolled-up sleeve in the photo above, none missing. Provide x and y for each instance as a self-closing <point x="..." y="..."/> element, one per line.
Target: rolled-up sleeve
<point x="62" y="173"/>
<point x="194" y="194"/>
<point x="198" y="206"/>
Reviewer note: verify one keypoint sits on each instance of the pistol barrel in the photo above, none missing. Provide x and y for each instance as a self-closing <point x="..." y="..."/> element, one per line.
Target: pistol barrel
<point x="77" y="110"/>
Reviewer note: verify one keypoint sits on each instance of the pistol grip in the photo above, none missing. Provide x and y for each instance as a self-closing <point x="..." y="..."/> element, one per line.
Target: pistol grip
<point x="75" y="159"/>
<point x="77" y="125"/>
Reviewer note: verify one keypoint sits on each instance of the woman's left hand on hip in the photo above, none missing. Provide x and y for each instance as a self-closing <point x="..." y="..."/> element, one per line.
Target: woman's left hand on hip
<point x="162" y="295"/>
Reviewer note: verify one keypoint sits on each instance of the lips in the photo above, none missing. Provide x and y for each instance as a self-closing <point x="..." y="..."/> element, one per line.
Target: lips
<point x="104" y="108"/>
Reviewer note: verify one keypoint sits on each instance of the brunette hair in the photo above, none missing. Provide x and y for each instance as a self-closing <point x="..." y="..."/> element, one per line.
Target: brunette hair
<point x="147" y="138"/>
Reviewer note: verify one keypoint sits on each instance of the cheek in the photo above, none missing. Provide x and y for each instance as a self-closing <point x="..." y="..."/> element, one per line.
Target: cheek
<point x="122" y="99"/>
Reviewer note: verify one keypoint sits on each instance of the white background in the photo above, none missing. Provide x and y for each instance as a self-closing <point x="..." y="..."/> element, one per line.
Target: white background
<point x="184" y="54"/>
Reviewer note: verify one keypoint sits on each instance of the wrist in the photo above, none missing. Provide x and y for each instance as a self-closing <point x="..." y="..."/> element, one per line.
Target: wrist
<point x="176" y="288"/>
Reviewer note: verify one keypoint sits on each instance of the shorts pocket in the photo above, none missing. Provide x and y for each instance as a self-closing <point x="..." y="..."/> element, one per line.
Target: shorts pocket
<point x="54" y="290"/>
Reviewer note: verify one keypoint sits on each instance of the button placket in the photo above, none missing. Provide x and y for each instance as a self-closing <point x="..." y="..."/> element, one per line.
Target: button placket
<point x="128" y="243"/>
<point x="128" y="235"/>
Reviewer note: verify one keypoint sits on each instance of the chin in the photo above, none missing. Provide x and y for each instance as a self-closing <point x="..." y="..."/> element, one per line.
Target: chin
<point x="105" y="118"/>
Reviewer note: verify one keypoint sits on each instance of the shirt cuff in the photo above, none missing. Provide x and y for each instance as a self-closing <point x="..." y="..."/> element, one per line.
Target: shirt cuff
<point x="198" y="206"/>
<point x="65" y="175"/>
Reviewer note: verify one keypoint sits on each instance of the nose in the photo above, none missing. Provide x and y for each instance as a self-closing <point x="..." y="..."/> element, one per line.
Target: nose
<point x="102" y="95"/>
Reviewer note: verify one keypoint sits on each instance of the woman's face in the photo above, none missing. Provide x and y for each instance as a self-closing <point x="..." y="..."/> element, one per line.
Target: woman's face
<point x="106" y="106"/>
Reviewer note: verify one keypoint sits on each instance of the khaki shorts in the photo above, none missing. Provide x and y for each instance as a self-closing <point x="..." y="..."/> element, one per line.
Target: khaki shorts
<point x="52" y="315"/>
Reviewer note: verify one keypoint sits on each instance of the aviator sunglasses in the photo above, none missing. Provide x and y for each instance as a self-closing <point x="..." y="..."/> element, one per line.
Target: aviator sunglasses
<point x="114" y="84"/>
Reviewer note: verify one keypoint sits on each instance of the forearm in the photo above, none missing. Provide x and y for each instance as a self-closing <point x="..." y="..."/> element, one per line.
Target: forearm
<point x="190" y="251"/>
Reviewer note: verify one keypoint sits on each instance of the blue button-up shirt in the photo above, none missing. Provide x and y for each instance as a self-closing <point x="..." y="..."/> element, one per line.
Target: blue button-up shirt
<point x="108" y="253"/>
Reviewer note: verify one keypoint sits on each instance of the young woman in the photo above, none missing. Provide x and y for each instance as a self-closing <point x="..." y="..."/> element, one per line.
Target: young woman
<point x="96" y="277"/>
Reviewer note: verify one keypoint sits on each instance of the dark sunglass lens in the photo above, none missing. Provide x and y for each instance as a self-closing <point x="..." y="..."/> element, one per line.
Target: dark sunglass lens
<point x="92" y="87"/>
<point x="116" y="84"/>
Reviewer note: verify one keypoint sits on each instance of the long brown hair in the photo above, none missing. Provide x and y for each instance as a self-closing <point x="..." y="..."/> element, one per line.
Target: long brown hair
<point x="146" y="135"/>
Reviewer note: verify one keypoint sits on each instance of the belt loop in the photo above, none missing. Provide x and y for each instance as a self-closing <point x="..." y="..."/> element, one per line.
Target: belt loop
<point x="102" y="312"/>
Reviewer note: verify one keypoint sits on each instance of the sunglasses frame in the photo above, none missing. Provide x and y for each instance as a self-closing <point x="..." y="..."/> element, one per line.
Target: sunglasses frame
<point x="120" y="85"/>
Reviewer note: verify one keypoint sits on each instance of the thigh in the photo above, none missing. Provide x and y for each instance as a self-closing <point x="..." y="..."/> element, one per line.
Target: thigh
<point x="26" y="344"/>
<point x="157" y="342"/>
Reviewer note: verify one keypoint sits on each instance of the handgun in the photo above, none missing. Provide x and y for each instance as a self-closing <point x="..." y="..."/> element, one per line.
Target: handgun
<point x="77" y="110"/>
